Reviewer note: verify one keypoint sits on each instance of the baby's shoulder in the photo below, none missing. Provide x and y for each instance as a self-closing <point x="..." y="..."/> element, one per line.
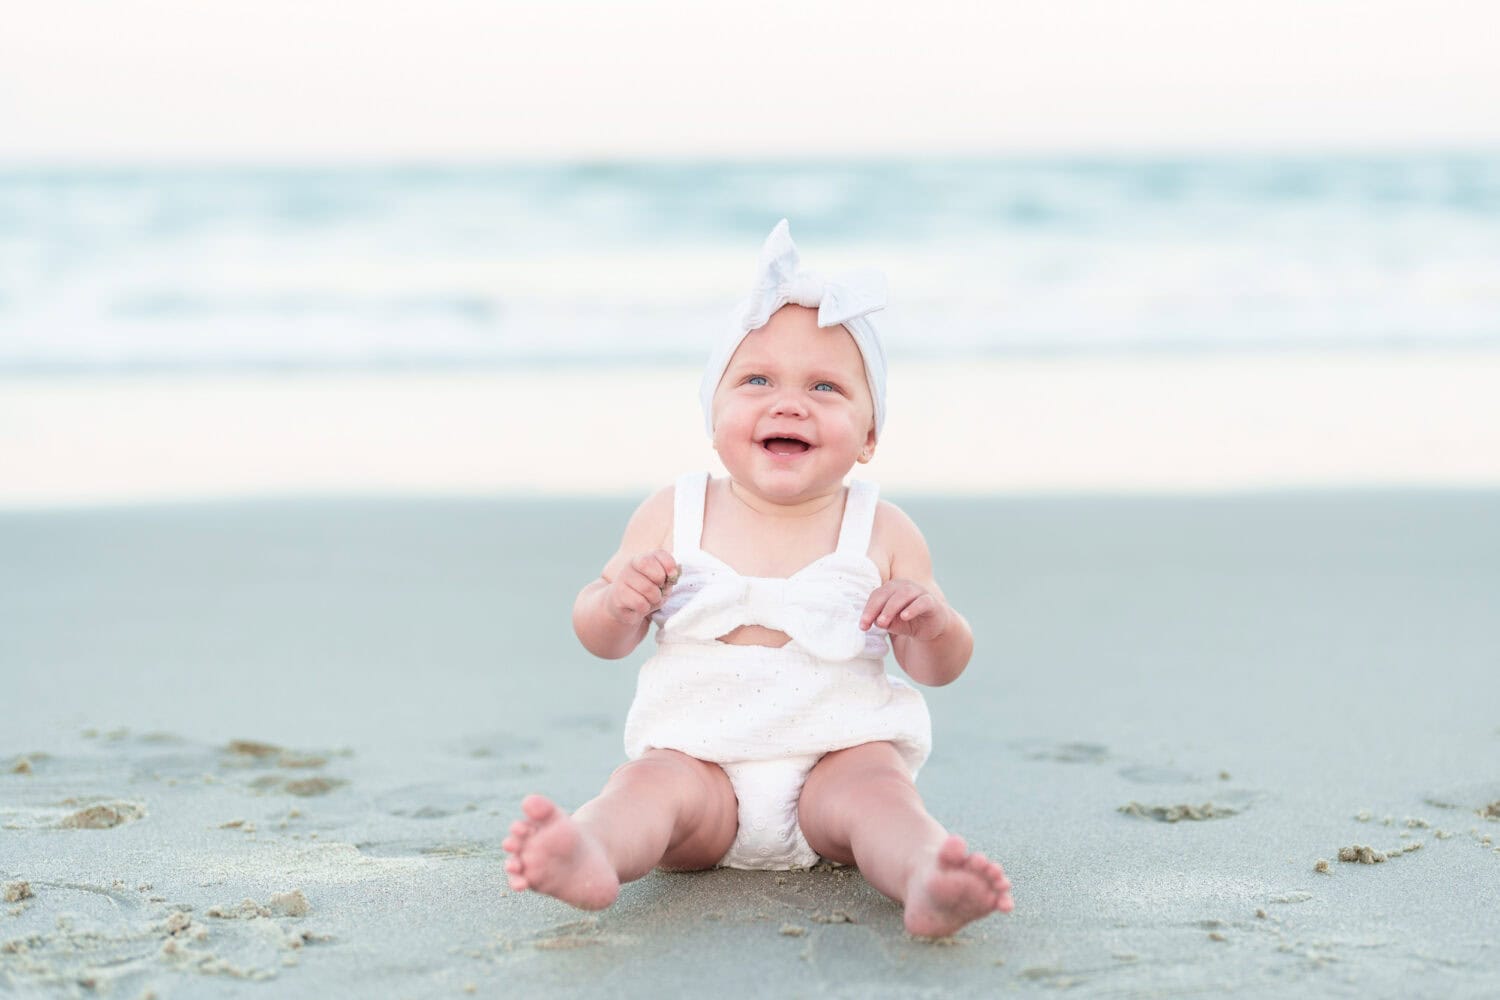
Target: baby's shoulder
<point x="895" y="541"/>
<point x="893" y="523"/>
<point x="650" y="526"/>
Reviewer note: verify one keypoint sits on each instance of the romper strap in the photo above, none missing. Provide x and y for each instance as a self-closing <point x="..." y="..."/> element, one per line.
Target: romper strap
<point x="859" y="517"/>
<point x="687" y="513"/>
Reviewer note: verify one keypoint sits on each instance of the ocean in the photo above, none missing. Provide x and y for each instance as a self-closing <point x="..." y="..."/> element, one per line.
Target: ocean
<point x="414" y="267"/>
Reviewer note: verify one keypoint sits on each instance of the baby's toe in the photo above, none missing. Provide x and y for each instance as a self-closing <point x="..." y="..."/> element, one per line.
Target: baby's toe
<point x="514" y="866"/>
<point x="510" y="844"/>
<point x="537" y="808"/>
<point x="953" y="851"/>
<point x="519" y="829"/>
<point x="978" y="863"/>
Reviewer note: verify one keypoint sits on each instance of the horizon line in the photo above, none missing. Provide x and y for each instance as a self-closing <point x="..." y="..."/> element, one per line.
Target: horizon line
<point x="449" y="161"/>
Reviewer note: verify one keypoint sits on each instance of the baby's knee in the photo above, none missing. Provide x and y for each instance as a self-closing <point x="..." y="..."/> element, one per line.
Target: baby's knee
<point x="870" y="768"/>
<point x="654" y="765"/>
<point x="878" y="761"/>
<point x="673" y="768"/>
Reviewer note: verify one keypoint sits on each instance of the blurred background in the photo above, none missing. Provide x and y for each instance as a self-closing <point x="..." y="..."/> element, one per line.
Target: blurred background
<point x="267" y="248"/>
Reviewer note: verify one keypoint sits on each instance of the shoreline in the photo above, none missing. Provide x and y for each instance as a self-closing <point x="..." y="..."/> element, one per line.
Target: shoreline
<point x="1104" y="425"/>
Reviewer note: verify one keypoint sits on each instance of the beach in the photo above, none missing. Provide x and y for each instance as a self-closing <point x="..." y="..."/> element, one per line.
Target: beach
<point x="316" y="415"/>
<point x="270" y="746"/>
<point x="1178" y="423"/>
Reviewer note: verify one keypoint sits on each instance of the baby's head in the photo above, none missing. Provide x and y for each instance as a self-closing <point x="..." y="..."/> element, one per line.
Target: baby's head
<point x="795" y="395"/>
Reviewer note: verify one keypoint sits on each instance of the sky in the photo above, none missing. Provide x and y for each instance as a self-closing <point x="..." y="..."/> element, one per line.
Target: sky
<point x="469" y="80"/>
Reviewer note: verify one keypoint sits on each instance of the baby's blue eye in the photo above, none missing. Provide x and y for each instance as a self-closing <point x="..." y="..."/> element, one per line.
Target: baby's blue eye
<point x="830" y="385"/>
<point x="752" y="380"/>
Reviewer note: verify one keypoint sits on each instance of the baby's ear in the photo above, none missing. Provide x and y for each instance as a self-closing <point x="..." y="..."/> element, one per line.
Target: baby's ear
<point x="868" y="451"/>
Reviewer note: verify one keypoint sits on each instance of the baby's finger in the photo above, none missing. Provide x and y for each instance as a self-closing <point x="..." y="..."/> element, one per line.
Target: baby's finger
<point x="897" y="600"/>
<point x="650" y="567"/>
<point x="632" y="601"/>
<point x="652" y="593"/>
<point x="923" y="605"/>
<point x="672" y="572"/>
<point x="878" y="598"/>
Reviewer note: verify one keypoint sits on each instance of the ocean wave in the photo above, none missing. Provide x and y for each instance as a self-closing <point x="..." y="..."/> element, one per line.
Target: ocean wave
<point x="436" y="265"/>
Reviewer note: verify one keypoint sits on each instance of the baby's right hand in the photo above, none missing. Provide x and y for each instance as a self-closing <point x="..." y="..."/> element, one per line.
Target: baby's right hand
<point x="642" y="587"/>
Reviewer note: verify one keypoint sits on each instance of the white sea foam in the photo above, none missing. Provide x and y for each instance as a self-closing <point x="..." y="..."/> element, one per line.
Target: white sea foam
<point x="332" y="269"/>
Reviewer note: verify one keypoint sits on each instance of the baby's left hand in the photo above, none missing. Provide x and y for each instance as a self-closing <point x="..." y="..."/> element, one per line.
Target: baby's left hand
<point x="904" y="607"/>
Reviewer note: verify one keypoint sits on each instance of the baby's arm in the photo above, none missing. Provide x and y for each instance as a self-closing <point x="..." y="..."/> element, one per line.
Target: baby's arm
<point x="613" y="614"/>
<point x="931" y="641"/>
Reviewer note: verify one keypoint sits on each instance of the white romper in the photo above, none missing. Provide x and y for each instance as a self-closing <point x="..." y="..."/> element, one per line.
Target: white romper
<point x="767" y="714"/>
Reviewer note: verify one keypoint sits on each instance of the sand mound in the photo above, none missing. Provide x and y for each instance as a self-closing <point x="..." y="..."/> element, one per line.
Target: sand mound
<point x="103" y="816"/>
<point x="252" y="748"/>
<point x="282" y="904"/>
<point x="1175" y="814"/>
<point x="313" y="786"/>
<point x="290" y="904"/>
<point x="304" y="787"/>
<point x="253" y="753"/>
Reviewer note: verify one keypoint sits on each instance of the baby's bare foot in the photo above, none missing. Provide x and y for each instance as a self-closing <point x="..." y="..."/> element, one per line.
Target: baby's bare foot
<point x="953" y="888"/>
<point x="551" y="854"/>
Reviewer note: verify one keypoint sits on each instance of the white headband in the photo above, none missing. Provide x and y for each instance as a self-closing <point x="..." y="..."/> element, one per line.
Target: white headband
<point x="844" y="299"/>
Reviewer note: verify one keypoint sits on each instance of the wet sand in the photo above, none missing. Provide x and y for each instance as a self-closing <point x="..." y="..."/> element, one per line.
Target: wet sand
<point x="269" y="748"/>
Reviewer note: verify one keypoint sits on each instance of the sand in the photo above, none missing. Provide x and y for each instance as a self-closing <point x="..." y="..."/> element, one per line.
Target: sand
<point x="103" y="816"/>
<point x="1175" y="814"/>
<point x="1333" y="652"/>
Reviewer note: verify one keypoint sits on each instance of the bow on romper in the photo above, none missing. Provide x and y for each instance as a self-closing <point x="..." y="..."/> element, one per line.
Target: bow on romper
<point x="766" y="715"/>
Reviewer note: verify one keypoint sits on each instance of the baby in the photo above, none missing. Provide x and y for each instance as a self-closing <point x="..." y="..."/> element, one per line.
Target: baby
<point x="765" y="732"/>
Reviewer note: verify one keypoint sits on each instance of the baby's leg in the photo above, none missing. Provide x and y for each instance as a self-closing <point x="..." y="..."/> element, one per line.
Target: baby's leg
<point x="860" y="805"/>
<point x="663" y="808"/>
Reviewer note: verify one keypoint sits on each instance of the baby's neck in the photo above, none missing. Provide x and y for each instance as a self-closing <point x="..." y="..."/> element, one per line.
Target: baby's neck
<point x="793" y="510"/>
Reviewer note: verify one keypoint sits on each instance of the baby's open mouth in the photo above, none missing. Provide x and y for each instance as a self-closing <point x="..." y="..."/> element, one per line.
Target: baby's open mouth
<point x="785" y="446"/>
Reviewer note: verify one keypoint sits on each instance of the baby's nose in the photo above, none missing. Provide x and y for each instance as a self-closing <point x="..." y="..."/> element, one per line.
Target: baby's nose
<point x="788" y="405"/>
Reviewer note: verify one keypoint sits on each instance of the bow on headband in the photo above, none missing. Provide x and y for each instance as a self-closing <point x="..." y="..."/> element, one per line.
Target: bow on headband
<point x="780" y="281"/>
<point x="846" y="299"/>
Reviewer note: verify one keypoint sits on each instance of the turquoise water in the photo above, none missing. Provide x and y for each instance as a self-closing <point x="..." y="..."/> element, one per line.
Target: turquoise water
<point x="574" y="263"/>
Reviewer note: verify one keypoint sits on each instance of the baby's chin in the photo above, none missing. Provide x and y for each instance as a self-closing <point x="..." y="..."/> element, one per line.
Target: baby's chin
<point x="791" y="484"/>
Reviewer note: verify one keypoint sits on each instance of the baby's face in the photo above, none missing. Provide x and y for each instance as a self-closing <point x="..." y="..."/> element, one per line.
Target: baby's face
<point x="793" y="413"/>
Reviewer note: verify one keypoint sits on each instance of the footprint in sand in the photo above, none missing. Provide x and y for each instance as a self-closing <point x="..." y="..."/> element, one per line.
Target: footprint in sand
<point x="426" y="802"/>
<point x="1066" y="753"/>
<point x="1155" y="774"/>
<point x="122" y="943"/>
<point x="592" y="723"/>
<point x="498" y="745"/>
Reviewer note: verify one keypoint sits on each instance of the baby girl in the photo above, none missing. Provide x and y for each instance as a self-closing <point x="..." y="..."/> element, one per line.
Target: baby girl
<point x="765" y="732"/>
